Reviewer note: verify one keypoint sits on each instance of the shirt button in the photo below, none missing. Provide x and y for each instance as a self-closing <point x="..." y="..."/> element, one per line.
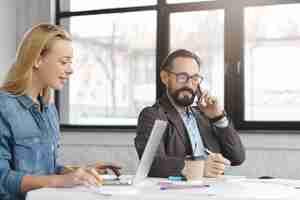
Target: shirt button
<point x="35" y="140"/>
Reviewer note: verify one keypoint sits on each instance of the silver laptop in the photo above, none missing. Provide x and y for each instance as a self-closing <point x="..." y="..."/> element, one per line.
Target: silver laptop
<point x="145" y="163"/>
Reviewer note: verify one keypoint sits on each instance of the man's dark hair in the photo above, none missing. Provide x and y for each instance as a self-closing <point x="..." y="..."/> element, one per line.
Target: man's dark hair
<point x="168" y="61"/>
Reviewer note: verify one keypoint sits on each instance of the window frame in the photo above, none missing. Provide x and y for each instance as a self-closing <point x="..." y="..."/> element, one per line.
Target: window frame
<point x="239" y="74"/>
<point x="234" y="91"/>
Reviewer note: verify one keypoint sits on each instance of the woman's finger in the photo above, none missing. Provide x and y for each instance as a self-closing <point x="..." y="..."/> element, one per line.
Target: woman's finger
<point x="114" y="168"/>
<point x="97" y="179"/>
<point x="116" y="171"/>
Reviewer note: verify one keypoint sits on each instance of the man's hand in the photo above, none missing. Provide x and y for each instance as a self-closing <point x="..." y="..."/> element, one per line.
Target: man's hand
<point x="193" y="169"/>
<point x="215" y="165"/>
<point x="210" y="106"/>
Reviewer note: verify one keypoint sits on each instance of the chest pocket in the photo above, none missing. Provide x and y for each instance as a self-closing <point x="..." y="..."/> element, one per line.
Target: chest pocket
<point x="34" y="155"/>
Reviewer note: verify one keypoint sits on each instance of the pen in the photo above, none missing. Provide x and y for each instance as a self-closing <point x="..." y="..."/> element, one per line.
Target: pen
<point x="208" y="152"/>
<point x="69" y="168"/>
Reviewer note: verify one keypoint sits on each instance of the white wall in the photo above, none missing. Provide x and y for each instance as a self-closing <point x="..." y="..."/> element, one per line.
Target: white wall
<point x="267" y="153"/>
<point x="83" y="148"/>
<point x="31" y="12"/>
<point x="7" y="35"/>
<point x="16" y="17"/>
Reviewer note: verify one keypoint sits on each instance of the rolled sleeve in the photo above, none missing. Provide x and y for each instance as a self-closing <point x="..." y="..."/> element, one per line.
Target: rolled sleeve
<point x="10" y="180"/>
<point x="59" y="169"/>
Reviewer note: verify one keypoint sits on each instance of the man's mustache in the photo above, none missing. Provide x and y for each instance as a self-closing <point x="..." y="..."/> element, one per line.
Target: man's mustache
<point x="186" y="89"/>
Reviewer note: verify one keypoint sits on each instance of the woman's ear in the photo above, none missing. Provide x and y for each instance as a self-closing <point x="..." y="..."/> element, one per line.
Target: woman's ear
<point x="37" y="63"/>
<point x="164" y="77"/>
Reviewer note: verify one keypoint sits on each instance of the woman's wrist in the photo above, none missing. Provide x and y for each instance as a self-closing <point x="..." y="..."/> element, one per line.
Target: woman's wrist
<point x="36" y="182"/>
<point x="55" y="181"/>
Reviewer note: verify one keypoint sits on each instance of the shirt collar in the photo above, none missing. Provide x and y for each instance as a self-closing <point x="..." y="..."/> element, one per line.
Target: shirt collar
<point x="27" y="102"/>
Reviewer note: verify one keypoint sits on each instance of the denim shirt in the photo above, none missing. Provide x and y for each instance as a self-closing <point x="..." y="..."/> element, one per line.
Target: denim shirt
<point x="28" y="142"/>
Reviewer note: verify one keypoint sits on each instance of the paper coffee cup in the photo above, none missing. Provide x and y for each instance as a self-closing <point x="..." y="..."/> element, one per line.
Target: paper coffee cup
<point x="194" y="168"/>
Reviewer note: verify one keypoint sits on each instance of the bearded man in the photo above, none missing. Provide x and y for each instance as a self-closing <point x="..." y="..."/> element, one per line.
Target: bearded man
<point x="192" y="131"/>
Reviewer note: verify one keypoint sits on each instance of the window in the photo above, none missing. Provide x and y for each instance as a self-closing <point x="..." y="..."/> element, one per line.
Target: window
<point x="249" y="51"/>
<point x="115" y="56"/>
<point x="112" y="84"/>
<point x="272" y="49"/>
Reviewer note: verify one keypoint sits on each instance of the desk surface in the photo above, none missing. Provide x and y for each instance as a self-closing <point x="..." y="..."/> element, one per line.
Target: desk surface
<point x="219" y="189"/>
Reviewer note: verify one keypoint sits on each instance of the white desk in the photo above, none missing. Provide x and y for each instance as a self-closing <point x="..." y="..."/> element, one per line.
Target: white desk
<point x="224" y="189"/>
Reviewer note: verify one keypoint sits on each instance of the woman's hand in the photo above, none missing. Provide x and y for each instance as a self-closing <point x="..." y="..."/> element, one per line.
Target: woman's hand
<point x="102" y="168"/>
<point x="80" y="176"/>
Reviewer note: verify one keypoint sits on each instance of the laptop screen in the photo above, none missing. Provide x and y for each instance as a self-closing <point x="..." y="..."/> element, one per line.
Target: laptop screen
<point x="153" y="142"/>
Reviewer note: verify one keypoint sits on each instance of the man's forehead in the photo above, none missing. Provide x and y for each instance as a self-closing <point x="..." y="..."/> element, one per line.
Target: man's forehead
<point x="187" y="64"/>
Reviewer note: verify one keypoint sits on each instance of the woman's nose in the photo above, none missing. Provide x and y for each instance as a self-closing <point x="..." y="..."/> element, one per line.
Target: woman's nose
<point x="69" y="70"/>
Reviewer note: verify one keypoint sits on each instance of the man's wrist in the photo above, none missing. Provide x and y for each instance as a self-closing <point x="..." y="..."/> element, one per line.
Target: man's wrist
<point x="218" y="117"/>
<point x="220" y="121"/>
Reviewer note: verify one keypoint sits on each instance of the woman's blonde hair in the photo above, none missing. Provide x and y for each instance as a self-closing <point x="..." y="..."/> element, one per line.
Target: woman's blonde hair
<point x="35" y="43"/>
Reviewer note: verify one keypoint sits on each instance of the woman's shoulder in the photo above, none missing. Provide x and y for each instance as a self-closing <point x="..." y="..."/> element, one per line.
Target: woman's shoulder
<point x="4" y="94"/>
<point x="6" y="97"/>
<point x="7" y="100"/>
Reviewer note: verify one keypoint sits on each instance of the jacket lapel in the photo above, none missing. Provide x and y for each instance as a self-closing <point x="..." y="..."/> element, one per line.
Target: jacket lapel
<point x="174" y="117"/>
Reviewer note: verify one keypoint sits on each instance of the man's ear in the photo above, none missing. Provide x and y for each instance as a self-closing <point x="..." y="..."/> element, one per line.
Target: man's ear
<point x="164" y="77"/>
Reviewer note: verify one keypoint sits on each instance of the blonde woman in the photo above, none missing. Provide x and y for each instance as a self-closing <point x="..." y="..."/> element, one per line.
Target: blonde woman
<point x="29" y="126"/>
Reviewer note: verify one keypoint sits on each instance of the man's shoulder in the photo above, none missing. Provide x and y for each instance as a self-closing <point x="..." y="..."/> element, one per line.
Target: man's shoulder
<point x="5" y="96"/>
<point x="150" y="109"/>
<point x="154" y="111"/>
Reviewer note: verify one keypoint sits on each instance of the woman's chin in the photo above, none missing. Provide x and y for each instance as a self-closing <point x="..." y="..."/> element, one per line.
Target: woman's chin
<point x="57" y="86"/>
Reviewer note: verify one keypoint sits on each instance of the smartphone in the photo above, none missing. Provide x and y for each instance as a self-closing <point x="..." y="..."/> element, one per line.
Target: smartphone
<point x="199" y="93"/>
<point x="210" y="99"/>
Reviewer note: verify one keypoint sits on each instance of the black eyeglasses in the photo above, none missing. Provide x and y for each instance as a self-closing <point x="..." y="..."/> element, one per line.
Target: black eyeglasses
<point x="184" y="77"/>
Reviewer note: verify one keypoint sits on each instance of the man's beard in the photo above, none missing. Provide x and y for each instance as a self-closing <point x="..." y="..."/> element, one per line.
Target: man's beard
<point x="184" y="100"/>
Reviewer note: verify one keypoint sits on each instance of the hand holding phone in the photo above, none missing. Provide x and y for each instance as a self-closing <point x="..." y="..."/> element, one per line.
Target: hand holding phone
<point x="204" y="98"/>
<point x="199" y="94"/>
<point x="208" y="104"/>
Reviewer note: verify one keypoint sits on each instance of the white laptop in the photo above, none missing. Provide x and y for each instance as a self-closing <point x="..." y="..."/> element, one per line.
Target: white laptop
<point x="145" y="163"/>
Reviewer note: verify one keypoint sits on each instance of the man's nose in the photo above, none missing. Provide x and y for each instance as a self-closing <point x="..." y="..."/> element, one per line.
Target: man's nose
<point x="189" y="83"/>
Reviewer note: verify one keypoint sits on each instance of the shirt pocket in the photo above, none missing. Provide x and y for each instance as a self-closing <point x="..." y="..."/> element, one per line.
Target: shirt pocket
<point x="33" y="156"/>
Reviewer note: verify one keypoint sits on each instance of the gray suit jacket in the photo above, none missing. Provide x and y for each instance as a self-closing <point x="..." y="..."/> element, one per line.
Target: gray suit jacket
<point x="175" y="144"/>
